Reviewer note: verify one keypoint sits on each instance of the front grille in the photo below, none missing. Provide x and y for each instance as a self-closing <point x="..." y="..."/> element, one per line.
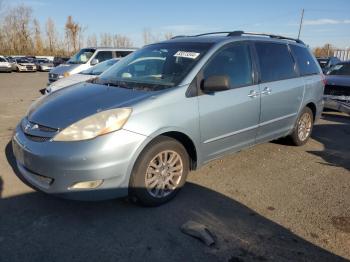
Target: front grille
<point x="29" y="67"/>
<point x="47" y="129"/>
<point x="335" y="90"/>
<point x="37" y="138"/>
<point x="37" y="132"/>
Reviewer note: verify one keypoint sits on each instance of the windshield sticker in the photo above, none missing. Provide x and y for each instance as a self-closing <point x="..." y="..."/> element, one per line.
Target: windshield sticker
<point x="191" y="55"/>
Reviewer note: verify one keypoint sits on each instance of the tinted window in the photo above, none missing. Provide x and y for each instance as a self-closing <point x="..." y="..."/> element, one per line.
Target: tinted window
<point x="2" y="59"/>
<point x="275" y="62"/>
<point x="122" y="53"/>
<point x="305" y="61"/>
<point x="103" y="55"/>
<point x="234" y="62"/>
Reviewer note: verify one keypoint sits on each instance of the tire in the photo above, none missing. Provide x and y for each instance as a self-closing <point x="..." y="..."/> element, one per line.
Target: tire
<point x="151" y="172"/>
<point x="303" y="127"/>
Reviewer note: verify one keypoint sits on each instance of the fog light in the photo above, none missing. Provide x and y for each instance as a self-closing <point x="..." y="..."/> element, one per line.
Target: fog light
<point x="86" y="184"/>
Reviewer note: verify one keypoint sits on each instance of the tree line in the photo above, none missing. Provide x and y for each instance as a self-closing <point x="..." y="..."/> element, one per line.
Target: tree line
<point x="22" y="34"/>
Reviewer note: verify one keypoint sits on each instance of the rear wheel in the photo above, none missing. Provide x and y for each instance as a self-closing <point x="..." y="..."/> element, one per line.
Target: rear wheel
<point x="303" y="129"/>
<point x="159" y="172"/>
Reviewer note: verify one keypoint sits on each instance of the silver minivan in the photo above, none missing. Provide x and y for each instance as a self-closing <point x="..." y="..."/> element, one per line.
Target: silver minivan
<point x="168" y="108"/>
<point x="86" y="58"/>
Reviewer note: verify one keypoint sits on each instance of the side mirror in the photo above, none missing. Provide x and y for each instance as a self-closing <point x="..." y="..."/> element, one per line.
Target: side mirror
<point x="216" y="83"/>
<point x="94" y="62"/>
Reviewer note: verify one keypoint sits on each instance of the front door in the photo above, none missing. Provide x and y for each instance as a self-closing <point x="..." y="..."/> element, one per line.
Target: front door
<point x="229" y="119"/>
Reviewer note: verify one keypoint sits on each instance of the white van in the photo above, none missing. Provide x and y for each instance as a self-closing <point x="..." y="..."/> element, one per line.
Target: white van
<point x="86" y="58"/>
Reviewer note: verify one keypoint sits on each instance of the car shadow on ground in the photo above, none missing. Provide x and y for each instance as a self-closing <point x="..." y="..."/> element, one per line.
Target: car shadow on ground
<point x="335" y="139"/>
<point x="39" y="227"/>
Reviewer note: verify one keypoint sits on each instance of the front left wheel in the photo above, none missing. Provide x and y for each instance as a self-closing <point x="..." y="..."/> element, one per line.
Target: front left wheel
<point x="160" y="172"/>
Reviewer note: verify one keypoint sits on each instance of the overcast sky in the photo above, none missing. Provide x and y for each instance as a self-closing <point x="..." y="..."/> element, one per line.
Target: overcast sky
<point x="324" y="20"/>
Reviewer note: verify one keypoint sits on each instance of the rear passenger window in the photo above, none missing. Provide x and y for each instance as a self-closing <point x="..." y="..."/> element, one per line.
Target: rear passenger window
<point x="276" y="62"/>
<point x="103" y="56"/>
<point x="234" y="62"/>
<point x="122" y="53"/>
<point x="305" y="61"/>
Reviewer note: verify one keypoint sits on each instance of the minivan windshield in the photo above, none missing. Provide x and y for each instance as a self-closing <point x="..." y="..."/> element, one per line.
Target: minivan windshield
<point x="82" y="56"/>
<point x="99" y="68"/>
<point x="155" y="66"/>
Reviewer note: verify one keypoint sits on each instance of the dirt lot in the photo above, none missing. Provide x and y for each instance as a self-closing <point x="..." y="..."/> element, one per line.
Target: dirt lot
<point x="273" y="202"/>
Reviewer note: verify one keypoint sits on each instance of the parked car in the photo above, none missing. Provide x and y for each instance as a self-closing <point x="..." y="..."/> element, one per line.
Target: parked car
<point x="80" y="77"/>
<point x="12" y="63"/>
<point x="327" y="62"/>
<point x="30" y="58"/>
<point x="58" y="60"/>
<point x="23" y="65"/>
<point x="337" y="84"/>
<point x="84" y="59"/>
<point x="43" y="64"/>
<point x="139" y="128"/>
<point x="5" y="66"/>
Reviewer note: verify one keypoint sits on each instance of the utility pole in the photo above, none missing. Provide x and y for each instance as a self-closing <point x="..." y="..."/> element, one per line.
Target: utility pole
<point x="301" y="22"/>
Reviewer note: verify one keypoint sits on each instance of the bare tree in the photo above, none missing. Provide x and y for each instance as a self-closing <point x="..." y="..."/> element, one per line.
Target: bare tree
<point x="324" y="51"/>
<point x="91" y="40"/>
<point x="73" y="32"/>
<point x="51" y="35"/>
<point x="121" y="41"/>
<point x="106" y="39"/>
<point x="17" y="31"/>
<point x="38" y="42"/>
<point x="168" y="35"/>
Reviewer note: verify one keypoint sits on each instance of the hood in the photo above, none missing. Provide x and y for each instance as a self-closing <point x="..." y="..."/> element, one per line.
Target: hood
<point x="70" y="80"/>
<point x="68" y="105"/>
<point x="61" y="69"/>
<point x="338" y="80"/>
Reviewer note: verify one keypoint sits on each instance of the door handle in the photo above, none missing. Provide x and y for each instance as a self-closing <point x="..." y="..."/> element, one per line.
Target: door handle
<point x="266" y="91"/>
<point x="253" y="94"/>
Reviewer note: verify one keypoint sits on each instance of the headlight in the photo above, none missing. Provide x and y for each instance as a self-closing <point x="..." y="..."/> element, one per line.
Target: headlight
<point x="96" y="125"/>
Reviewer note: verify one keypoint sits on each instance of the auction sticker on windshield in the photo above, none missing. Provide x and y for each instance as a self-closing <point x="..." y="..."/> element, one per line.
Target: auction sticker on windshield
<point x="191" y="55"/>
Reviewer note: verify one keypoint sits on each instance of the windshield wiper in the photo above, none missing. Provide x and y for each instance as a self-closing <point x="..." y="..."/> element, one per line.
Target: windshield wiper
<point x="113" y="83"/>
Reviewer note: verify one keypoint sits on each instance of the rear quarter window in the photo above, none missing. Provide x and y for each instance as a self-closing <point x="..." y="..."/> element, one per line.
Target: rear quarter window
<point x="306" y="63"/>
<point x="275" y="62"/>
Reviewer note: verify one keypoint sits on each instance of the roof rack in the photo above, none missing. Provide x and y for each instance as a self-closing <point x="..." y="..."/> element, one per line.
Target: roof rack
<point x="240" y="33"/>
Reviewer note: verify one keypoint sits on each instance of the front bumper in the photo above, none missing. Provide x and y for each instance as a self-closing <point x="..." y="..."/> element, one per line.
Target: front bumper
<point x="338" y="103"/>
<point x="53" y="167"/>
<point x="22" y="69"/>
<point x="5" y="69"/>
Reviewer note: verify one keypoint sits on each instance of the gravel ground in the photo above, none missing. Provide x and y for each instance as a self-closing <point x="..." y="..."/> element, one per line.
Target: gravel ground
<point x="272" y="202"/>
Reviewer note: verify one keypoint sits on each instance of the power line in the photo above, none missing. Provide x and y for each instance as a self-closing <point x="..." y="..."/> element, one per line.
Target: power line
<point x="301" y="22"/>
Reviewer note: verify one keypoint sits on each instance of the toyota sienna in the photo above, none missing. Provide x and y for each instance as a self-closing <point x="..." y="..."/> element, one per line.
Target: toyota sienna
<point x="166" y="109"/>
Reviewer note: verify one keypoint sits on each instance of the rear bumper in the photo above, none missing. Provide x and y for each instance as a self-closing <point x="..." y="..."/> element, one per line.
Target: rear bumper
<point x="53" y="167"/>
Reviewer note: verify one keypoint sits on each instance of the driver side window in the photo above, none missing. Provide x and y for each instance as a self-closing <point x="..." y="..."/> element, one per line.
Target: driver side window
<point x="233" y="61"/>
